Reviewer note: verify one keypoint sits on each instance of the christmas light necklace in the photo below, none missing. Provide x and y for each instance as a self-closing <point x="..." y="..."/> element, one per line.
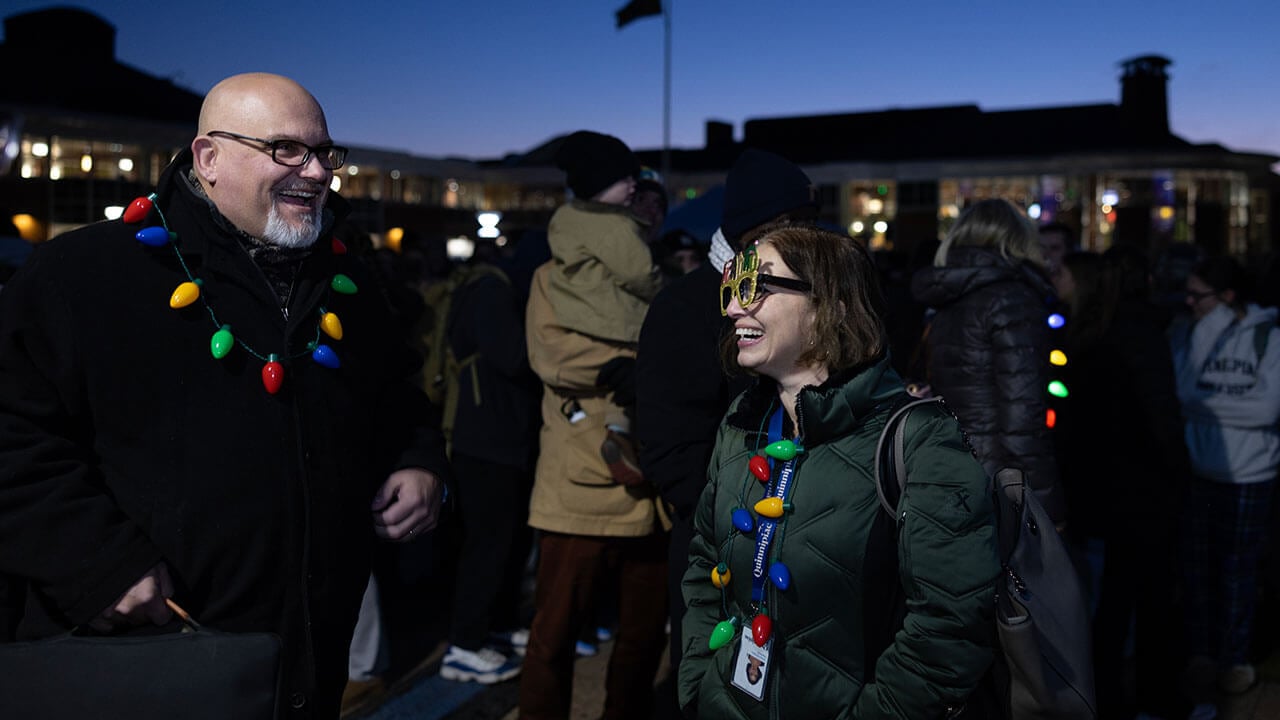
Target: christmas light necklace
<point x="770" y="511"/>
<point x="222" y="341"/>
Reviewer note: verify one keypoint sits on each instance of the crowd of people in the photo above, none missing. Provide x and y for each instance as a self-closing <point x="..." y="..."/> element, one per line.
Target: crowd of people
<point x="677" y="442"/>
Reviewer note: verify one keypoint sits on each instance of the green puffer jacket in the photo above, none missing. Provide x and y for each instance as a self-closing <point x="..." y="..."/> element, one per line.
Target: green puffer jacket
<point x="947" y="560"/>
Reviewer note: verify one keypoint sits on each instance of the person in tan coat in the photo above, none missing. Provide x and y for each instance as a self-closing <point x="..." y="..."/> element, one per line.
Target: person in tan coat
<point x="593" y="529"/>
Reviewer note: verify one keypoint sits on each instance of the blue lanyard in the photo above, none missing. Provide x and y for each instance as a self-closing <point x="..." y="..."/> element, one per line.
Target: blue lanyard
<point x="767" y="526"/>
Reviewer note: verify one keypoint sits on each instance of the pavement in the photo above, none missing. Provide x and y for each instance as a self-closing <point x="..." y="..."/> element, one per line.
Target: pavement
<point x="423" y="695"/>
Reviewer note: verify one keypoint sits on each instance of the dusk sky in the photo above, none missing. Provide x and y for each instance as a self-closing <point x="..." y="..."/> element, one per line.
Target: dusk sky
<point x="477" y="78"/>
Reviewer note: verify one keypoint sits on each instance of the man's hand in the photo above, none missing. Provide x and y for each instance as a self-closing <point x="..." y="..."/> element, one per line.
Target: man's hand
<point x="407" y="505"/>
<point x="142" y="603"/>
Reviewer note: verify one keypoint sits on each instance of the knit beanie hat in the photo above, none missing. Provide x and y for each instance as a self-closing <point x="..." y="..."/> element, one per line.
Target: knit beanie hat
<point x="759" y="187"/>
<point x="593" y="161"/>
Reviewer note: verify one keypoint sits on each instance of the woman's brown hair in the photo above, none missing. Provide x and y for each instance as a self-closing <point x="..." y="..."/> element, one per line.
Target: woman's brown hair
<point x="849" y="309"/>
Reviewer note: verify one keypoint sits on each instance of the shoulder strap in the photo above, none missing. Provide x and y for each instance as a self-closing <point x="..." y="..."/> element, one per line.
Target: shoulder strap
<point x="896" y="464"/>
<point x="1261" y="334"/>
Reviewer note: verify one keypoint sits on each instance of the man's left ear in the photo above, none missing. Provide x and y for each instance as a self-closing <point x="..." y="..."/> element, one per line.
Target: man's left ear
<point x="205" y="155"/>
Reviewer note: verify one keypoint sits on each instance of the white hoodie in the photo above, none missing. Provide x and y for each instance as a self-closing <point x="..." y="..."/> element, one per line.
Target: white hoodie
<point x="1230" y="397"/>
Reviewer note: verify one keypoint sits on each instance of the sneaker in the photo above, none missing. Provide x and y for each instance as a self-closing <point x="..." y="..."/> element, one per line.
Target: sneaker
<point x="510" y="642"/>
<point x="619" y="454"/>
<point x="485" y="666"/>
<point x="1238" y="679"/>
<point x="586" y="649"/>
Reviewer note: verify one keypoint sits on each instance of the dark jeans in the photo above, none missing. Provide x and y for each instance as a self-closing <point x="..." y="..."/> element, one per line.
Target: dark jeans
<point x="570" y="569"/>
<point x="493" y="543"/>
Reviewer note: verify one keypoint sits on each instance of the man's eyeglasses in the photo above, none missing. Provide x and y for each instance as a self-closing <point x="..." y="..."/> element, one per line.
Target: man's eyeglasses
<point x="743" y="280"/>
<point x="293" y="153"/>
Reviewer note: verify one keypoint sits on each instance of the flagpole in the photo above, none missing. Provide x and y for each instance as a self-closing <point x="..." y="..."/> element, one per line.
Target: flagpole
<point x="666" y="91"/>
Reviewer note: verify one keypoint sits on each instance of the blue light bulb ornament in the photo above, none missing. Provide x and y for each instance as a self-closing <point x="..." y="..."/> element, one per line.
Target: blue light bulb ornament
<point x="723" y="633"/>
<point x="780" y="576"/>
<point x="324" y="355"/>
<point x="154" y="236"/>
<point x="743" y="520"/>
<point x="1056" y="320"/>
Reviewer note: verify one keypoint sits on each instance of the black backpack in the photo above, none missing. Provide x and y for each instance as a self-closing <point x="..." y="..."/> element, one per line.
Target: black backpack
<point x="1045" y="667"/>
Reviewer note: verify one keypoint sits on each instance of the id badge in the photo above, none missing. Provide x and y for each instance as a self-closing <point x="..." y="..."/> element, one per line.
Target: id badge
<point x="752" y="666"/>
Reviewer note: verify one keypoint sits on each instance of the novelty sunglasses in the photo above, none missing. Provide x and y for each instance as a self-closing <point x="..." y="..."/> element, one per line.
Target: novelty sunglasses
<point x="742" y="279"/>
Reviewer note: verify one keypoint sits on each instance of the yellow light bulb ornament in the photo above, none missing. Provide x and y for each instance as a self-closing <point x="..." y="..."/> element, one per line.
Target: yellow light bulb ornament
<point x="1057" y="357"/>
<point x="772" y="507"/>
<point x="331" y="325"/>
<point x="185" y="294"/>
<point x="720" y="575"/>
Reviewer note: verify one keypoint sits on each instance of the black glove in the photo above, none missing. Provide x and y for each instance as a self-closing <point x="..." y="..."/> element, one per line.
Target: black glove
<point x="619" y="375"/>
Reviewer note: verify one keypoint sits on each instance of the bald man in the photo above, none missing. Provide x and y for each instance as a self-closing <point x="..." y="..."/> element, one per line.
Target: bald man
<point x="236" y="445"/>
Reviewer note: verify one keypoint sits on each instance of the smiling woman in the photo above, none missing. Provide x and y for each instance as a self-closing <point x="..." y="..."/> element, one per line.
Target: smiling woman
<point x="799" y="448"/>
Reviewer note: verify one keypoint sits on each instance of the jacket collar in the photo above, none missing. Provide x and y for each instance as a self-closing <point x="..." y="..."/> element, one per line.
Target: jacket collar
<point x="830" y="410"/>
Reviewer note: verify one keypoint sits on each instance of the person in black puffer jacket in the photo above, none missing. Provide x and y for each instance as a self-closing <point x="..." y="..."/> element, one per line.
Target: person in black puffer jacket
<point x="988" y="343"/>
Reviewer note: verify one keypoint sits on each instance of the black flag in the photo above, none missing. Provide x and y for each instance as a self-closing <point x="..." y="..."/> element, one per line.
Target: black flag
<point x="637" y="9"/>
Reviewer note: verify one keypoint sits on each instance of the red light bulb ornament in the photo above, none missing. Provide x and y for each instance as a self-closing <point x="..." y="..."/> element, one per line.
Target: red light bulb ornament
<point x="759" y="466"/>
<point x="222" y="342"/>
<point x="272" y="374"/>
<point x="761" y="629"/>
<point x="139" y="209"/>
<point x="339" y="248"/>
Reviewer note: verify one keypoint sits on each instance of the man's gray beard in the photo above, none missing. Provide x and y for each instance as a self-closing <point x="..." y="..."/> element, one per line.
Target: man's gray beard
<point x="279" y="232"/>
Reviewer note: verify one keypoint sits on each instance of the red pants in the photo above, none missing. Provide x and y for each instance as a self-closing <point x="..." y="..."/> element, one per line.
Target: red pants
<point x="571" y="573"/>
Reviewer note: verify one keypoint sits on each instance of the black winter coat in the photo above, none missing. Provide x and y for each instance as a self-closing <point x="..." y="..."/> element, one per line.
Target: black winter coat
<point x="988" y="349"/>
<point x="124" y="443"/>
<point x="682" y="391"/>
<point x="486" y="319"/>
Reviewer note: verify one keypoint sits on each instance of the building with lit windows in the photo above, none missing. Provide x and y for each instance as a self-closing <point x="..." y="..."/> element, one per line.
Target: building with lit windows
<point x="79" y="143"/>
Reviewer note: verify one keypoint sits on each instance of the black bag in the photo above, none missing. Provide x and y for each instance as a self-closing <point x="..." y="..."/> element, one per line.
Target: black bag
<point x="196" y="674"/>
<point x="1046" y="668"/>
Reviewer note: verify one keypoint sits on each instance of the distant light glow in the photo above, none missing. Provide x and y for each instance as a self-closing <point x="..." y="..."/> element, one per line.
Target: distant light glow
<point x="394" y="237"/>
<point x="353" y="170"/>
<point x="395" y="174"/>
<point x="86" y="162"/>
<point x="875" y="206"/>
<point x="1056" y="320"/>
<point x="1110" y="197"/>
<point x="112" y="212"/>
<point x="880" y="226"/>
<point x="857" y="226"/>
<point x="460" y="248"/>
<point x="40" y="149"/>
<point x="125" y="164"/>
<point x="488" y="233"/>
<point x="1033" y="212"/>
<point x="488" y="219"/>
<point x="1166" y="212"/>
